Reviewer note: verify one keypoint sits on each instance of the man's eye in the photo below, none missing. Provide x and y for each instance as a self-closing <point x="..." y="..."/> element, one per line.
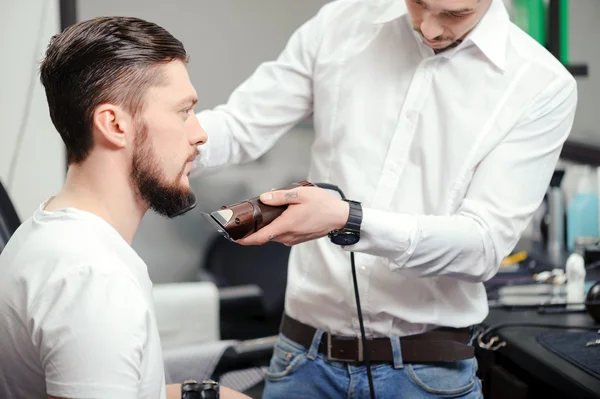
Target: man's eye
<point x="458" y="16"/>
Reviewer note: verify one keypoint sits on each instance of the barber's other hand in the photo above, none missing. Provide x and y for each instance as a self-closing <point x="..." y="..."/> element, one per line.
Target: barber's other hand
<point x="312" y="213"/>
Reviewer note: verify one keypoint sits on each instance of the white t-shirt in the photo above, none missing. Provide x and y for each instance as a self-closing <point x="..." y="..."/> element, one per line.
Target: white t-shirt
<point x="76" y="313"/>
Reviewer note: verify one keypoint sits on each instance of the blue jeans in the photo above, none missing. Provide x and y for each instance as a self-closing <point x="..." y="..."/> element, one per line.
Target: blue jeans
<point x="299" y="372"/>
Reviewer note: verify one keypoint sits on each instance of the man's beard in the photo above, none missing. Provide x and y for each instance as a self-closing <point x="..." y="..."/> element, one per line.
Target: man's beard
<point x="453" y="42"/>
<point x="167" y="199"/>
<point x="448" y="47"/>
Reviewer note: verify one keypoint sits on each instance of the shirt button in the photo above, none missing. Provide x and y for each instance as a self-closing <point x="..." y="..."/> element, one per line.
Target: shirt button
<point x="393" y="167"/>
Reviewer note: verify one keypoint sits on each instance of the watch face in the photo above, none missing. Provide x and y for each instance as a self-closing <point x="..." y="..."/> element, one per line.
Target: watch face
<point x="345" y="239"/>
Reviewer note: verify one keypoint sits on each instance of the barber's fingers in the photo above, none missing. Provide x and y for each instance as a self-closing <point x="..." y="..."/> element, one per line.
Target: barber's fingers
<point x="271" y="232"/>
<point x="281" y="197"/>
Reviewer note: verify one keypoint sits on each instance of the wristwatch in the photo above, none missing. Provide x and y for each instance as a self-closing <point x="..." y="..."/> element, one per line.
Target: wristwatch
<point x="350" y="233"/>
<point x="207" y="389"/>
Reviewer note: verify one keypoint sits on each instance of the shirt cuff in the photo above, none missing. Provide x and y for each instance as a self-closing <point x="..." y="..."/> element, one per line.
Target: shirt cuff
<point x="388" y="235"/>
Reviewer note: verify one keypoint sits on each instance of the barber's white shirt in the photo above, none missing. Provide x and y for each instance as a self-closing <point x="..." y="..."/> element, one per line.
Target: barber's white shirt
<point x="449" y="154"/>
<point x="77" y="316"/>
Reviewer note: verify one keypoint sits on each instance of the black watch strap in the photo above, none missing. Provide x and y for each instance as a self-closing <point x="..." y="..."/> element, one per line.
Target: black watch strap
<point x="207" y="389"/>
<point x="354" y="217"/>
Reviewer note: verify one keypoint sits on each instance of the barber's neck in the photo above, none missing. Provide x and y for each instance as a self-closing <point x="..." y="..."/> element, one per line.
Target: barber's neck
<point x="100" y="186"/>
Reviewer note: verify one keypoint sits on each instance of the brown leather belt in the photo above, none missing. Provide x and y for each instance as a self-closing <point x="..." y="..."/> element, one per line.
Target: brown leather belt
<point x="440" y="345"/>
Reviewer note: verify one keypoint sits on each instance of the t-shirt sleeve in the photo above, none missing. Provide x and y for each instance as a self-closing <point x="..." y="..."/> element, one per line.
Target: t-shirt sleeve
<point x="91" y="330"/>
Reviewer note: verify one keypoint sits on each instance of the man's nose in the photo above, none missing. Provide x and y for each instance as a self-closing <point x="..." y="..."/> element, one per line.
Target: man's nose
<point x="431" y="28"/>
<point x="196" y="133"/>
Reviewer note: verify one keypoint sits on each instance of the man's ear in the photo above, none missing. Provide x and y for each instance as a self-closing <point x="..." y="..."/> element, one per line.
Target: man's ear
<point x="112" y="125"/>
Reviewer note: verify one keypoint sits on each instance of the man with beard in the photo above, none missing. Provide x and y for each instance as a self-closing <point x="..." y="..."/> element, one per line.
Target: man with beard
<point x="76" y="312"/>
<point x="442" y="122"/>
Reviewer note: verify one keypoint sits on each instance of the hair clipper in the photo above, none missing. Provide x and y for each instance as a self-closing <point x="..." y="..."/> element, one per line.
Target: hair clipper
<point x="239" y="220"/>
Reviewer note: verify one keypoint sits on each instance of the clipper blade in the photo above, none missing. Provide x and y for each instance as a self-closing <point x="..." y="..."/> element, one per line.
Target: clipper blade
<point x="218" y="220"/>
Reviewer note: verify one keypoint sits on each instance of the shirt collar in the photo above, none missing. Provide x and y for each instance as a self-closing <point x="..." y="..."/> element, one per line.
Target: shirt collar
<point x="489" y="35"/>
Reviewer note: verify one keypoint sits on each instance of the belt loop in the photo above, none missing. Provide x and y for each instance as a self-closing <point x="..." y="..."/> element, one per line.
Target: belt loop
<point x="313" y="351"/>
<point x="396" y="351"/>
<point x="472" y="335"/>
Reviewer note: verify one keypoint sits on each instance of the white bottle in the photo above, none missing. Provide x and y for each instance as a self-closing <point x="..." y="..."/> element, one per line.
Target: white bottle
<point x="575" y="271"/>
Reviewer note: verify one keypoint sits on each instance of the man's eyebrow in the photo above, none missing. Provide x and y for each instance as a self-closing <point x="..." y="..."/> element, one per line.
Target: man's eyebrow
<point x="460" y="11"/>
<point x="188" y="101"/>
<point x="457" y="11"/>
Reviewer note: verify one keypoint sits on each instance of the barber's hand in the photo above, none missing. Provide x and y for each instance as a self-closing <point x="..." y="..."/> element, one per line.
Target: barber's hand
<point x="312" y="213"/>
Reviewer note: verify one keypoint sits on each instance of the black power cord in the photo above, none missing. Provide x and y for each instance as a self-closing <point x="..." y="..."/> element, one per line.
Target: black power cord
<point x="362" y="328"/>
<point x="357" y="296"/>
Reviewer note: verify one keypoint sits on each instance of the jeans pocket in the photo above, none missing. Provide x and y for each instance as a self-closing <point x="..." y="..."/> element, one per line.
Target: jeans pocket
<point x="447" y="380"/>
<point x="287" y="357"/>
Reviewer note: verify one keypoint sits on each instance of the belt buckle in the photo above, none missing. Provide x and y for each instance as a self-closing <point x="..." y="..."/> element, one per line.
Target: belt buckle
<point x="354" y="359"/>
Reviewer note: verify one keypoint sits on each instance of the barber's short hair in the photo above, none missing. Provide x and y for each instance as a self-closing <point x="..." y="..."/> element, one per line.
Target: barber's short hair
<point x="102" y="60"/>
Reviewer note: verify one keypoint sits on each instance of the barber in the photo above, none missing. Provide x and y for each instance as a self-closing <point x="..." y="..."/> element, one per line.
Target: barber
<point x="442" y="122"/>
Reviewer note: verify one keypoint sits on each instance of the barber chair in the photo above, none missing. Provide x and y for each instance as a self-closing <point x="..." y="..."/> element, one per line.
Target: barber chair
<point x="9" y="219"/>
<point x="188" y="323"/>
<point x="252" y="282"/>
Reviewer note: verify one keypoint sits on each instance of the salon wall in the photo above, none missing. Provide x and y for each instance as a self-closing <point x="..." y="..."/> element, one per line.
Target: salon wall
<point x="31" y="152"/>
<point x="584" y="31"/>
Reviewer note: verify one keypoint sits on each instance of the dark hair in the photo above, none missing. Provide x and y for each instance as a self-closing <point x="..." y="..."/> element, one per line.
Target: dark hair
<point x="103" y="60"/>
